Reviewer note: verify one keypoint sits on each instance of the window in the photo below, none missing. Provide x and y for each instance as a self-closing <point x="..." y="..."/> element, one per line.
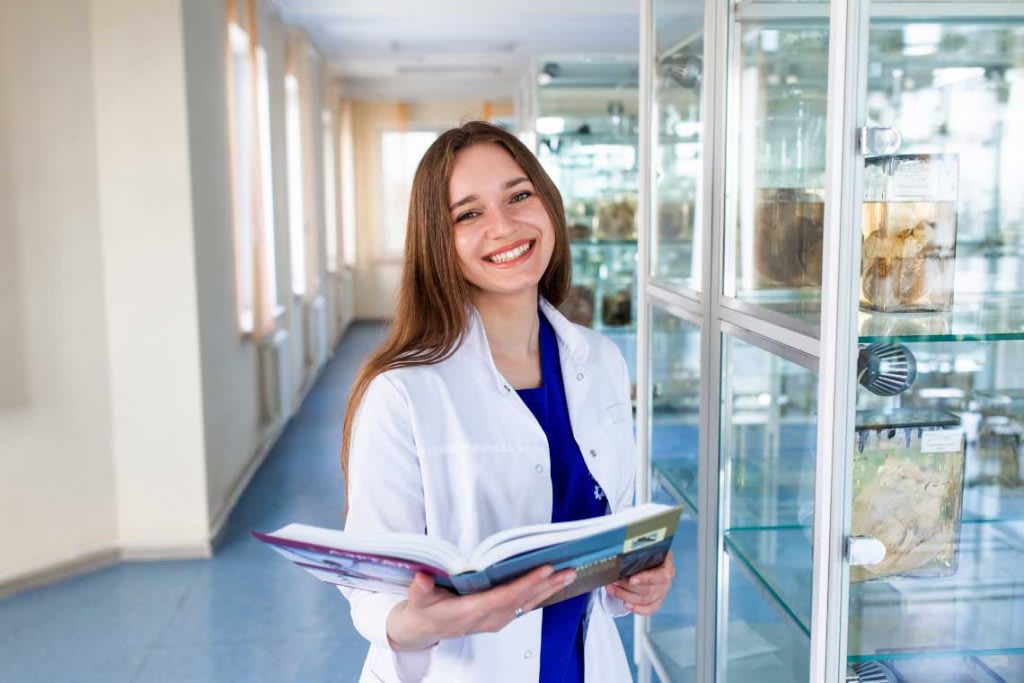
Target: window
<point x="240" y="124"/>
<point x="269" y="265"/>
<point x="348" y="191"/>
<point x="296" y="195"/>
<point x="330" y="193"/>
<point x="401" y="152"/>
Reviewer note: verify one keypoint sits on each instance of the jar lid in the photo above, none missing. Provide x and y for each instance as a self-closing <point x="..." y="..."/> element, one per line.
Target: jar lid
<point x="905" y="417"/>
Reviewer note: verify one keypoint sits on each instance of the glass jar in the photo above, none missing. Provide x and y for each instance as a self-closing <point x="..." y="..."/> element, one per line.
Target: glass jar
<point x="789" y="201"/>
<point x="579" y="218"/>
<point x="617" y="287"/>
<point x="909" y="232"/>
<point x="908" y="479"/>
<point x="615" y="217"/>
<point x="1000" y="438"/>
<point x="580" y="302"/>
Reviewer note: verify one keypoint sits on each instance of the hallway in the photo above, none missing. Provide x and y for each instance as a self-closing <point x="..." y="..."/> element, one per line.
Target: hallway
<point x="244" y="615"/>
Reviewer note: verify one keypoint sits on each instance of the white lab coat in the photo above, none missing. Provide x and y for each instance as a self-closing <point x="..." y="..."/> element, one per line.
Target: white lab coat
<point x="451" y="450"/>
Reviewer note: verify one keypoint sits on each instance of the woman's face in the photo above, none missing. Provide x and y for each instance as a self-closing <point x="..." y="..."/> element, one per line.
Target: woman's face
<point x="503" y="235"/>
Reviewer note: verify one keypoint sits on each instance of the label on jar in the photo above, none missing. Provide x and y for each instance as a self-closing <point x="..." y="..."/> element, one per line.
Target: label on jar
<point x="922" y="177"/>
<point x="942" y="441"/>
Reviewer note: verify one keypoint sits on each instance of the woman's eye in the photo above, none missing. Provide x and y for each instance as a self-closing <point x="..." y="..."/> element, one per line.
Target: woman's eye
<point x="524" y="194"/>
<point x="465" y="215"/>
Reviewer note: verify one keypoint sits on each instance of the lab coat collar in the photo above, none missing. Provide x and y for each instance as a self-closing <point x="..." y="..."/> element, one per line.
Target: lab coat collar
<point x="572" y="344"/>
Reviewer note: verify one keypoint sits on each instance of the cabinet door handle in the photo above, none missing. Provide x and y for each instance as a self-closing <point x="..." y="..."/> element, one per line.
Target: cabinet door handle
<point x="878" y="140"/>
<point x="864" y="550"/>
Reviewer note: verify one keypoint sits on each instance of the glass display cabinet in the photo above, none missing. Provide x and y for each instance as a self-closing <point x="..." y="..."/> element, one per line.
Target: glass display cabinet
<point x="830" y="312"/>
<point x="586" y="139"/>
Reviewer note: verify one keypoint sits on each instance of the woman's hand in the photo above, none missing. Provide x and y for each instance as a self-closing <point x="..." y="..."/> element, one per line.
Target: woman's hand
<point x="644" y="592"/>
<point x="431" y="614"/>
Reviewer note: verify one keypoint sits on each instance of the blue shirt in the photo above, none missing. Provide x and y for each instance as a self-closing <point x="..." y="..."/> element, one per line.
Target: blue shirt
<point x="575" y="495"/>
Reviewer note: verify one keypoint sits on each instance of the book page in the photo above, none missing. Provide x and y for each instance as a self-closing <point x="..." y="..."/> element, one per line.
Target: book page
<point x="432" y="552"/>
<point x="511" y="542"/>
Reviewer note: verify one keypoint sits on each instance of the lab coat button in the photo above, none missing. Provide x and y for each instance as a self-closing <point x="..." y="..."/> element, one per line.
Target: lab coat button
<point x="579" y="376"/>
<point x="508" y="388"/>
<point x="539" y="468"/>
<point x="527" y="654"/>
<point x="593" y="453"/>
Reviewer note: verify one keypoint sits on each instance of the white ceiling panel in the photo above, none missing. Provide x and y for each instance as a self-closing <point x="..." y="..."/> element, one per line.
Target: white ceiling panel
<point x="444" y="49"/>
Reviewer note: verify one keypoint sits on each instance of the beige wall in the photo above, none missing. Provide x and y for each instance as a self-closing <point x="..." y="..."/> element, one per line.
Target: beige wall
<point x="149" y="258"/>
<point x="57" y="488"/>
<point x="377" y="277"/>
<point x="229" y="365"/>
<point x="129" y="417"/>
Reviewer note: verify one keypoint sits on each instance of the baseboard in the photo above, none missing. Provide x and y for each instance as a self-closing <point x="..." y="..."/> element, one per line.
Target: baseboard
<point x="202" y="551"/>
<point x="270" y="437"/>
<point x="103" y="558"/>
<point x="219" y="524"/>
<point x="59" y="571"/>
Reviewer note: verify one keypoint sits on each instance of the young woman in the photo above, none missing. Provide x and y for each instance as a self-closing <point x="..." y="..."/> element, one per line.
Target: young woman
<point x="486" y="409"/>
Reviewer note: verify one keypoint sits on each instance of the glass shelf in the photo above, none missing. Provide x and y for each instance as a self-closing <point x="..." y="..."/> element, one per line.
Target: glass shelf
<point x="679" y="478"/>
<point x="758" y="652"/>
<point x="991" y="317"/>
<point x="987" y="318"/>
<point x="979" y="611"/>
<point x="596" y="242"/>
<point x="678" y="475"/>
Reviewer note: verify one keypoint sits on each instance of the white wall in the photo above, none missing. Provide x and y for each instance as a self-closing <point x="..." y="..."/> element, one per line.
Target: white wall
<point x="149" y="259"/>
<point x="57" y="498"/>
<point x="129" y="416"/>
<point x="232" y="435"/>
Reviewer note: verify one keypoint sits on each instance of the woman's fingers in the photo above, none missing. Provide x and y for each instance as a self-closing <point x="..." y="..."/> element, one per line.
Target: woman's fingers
<point x="493" y="609"/>
<point x="644" y="592"/>
<point x="639" y="597"/>
<point x="552" y="585"/>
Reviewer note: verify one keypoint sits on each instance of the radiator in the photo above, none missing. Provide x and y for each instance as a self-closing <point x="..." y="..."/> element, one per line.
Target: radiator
<point x="344" y="297"/>
<point x="315" y="331"/>
<point x="275" y="395"/>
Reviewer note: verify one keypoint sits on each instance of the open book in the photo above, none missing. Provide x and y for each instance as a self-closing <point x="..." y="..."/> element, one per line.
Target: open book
<point x="600" y="549"/>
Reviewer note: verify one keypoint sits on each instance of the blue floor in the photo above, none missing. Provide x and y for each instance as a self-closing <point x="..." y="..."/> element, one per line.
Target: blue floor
<point x="244" y="615"/>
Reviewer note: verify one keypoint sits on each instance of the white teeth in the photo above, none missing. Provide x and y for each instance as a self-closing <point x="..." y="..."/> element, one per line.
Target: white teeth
<point x="510" y="254"/>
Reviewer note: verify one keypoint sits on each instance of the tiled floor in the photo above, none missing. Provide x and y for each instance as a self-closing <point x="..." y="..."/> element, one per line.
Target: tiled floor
<point x="244" y="615"/>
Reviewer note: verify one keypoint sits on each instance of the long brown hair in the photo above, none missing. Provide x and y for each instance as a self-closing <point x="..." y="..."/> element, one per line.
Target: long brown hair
<point x="433" y="296"/>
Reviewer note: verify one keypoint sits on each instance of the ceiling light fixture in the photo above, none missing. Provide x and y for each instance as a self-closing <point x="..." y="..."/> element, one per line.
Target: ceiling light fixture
<point x="548" y="73"/>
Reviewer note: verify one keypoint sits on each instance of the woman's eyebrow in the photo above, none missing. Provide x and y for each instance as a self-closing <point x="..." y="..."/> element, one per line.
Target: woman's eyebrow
<point x="472" y="197"/>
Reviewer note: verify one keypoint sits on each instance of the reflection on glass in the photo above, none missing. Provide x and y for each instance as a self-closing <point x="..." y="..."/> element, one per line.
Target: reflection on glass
<point x="948" y="503"/>
<point x="958" y="89"/>
<point x="675" y="423"/>
<point x="947" y="601"/>
<point x="587" y="131"/>
<point x="777" y="209"/>
<point x="678" y="177"/>
<point x="675" y="403"/>
<point x="768" y="434"/>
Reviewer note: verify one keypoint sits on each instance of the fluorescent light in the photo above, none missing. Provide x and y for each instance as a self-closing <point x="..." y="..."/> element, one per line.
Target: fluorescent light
<point x="956" y="74"/>
<point x="919" y="50"/>
<point x="452" y="47"/>
<point x="440" y="70"/>
<point x="921" y="39"/>
<point x="550" y="125"/>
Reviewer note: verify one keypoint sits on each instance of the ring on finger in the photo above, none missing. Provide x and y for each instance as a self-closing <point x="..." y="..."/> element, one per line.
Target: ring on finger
<point x="519" y="612"/>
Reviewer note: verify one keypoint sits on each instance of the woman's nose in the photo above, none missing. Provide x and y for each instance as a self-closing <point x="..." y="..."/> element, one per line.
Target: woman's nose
<point x="502" y="223"/>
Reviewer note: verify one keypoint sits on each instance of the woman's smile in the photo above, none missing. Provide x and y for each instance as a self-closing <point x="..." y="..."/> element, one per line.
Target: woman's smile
<point x="514" y="255"/>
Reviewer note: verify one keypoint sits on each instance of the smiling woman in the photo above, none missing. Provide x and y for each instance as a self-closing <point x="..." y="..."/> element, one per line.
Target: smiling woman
<point x="473" y="417"/>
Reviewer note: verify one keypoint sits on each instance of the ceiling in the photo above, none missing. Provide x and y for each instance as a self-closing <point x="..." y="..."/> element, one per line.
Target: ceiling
<point x="455" y="49"/>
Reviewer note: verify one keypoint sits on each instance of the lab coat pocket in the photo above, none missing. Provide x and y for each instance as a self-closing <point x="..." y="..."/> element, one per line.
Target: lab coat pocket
<point x="618" y="412"/>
